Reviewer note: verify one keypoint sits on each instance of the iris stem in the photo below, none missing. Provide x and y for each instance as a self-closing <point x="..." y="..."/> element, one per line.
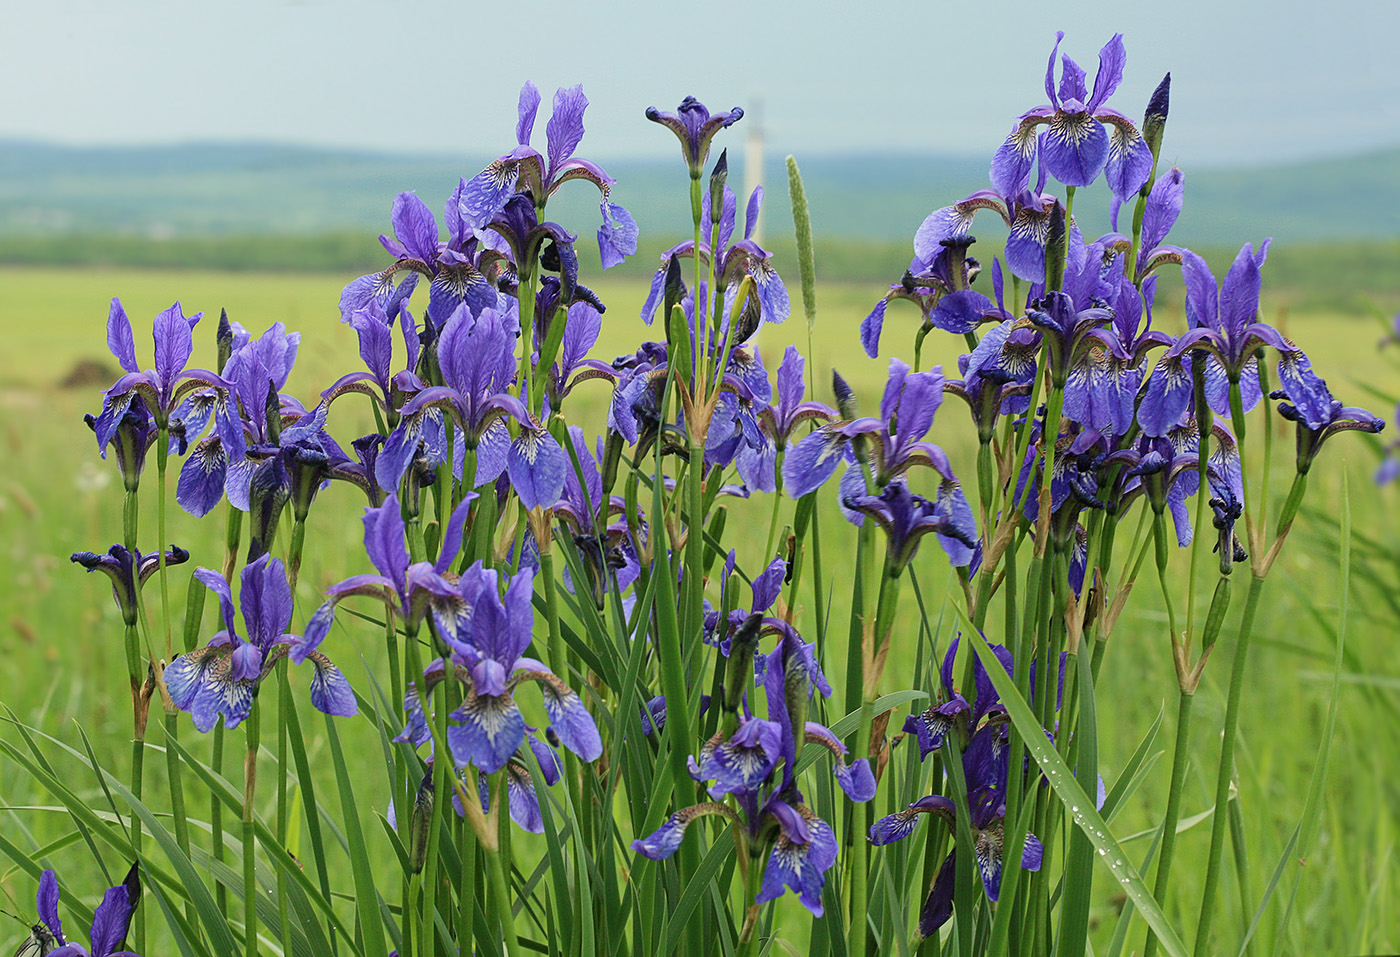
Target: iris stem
<point x="1219" y="819"/>
<point x="216" y="818"/>
<point x="1181" y="757"/>
<point x="162" y="453"/>
<point x="886" y="608"/>
<point x="496" y="866"/>
<point x="557" y="662"/>
<point x="250" y="787"/>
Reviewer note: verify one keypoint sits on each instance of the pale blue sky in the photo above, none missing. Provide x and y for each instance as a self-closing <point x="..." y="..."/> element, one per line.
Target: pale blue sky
<point x="1252" y="81"/>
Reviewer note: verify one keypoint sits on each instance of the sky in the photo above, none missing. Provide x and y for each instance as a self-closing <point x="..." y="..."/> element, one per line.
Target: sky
<point x="1253" y="82"/>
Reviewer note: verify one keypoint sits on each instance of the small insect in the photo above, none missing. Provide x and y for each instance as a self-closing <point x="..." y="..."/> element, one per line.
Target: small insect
<point x="39" y="942"/>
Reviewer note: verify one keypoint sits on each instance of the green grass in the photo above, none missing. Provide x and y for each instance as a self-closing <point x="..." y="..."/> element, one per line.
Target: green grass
<point x="60" y="637"/>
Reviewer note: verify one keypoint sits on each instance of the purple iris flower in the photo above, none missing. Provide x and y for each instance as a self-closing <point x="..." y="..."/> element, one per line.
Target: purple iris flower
<point x="1076" y="147"/>
<point x="162" y="388"/>
<point x="740" y="764"/>
<point x="1159" y="214"/>
<point x="734" y="261"/>
<point x="255" y="374"/>
<point x="133" y="437"/>
<point x="906" y="518"/>
<point x="476" y="356"/>
<point x="743" y="765"/>
<point x="222" y="678"/>
<point x="1026" y="212"/>
<point x="490" y="653"/>
<point x="128" y="572"/>
<point x="954" y="712"/>
<point x="1317" y="415"/>
<point x="410" y="590"/>
<point x="997" y="375"/>
<point x="109" y="922"/>
<point x="986" y="788"/>
<point x="1106" y="364"/>
<point x="1223" y="326"/>
<point x="522" y="799"/>
<point x="694" y="126"/>
<point x="1166" y="470"/>
<point x="524" y="170"/>
<point x="906" y="414"/>
<point x="583" y="319"/>
<point x="1071" y="329"/>
<point x="1104" y="382"/>
<point x="936" y="281"/>
<point x="763" y="590"/>
<point x="374" y="329"/>
<point x="757" y="462"/>
<point x="462" y="269"/>
<point x="459" y="270"/>
<point x="1074" y="484"/>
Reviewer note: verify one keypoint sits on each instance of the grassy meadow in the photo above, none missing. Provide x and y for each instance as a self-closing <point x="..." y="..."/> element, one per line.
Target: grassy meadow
<point x="61" y="636"/>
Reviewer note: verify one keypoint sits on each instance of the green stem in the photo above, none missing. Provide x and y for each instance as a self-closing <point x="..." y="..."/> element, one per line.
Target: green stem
<point x="131" y="510"/>
<point x="441" y="799"/>
<point x="250" y="787"/>
<point x="138" y="760"/>
<point x="1219" y="819"/>
<point x="557" y="661"/>
<point x="1181" y="756"/>
<point x="500" y="891"/>
<point x="216" y="818"/>
<point x="1159" y="538"/>
<point x="162" y="453"/>
<point x="177" y="790"/>
<point x="284" y="701"/>
<point x="886" y="608"/>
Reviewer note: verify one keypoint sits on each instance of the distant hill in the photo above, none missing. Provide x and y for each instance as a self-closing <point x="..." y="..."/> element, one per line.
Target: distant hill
<point x="213" y="189"/>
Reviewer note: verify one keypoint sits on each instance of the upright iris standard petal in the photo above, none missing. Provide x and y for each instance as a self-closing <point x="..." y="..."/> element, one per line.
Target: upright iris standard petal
<point x="564" y="131"/>
<point x="120" y="340"/>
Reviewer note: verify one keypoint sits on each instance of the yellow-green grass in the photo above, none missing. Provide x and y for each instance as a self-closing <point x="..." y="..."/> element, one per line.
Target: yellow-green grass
<point x="60" y="637"/>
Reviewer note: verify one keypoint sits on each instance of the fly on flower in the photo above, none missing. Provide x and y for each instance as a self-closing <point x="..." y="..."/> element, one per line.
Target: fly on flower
<point x="109" y="922"/>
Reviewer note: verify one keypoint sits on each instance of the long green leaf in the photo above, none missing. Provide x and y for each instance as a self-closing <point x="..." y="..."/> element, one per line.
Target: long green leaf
<point x="1078" y="804"/>
<point x="1133" y="773"/>
<point x="697" y="887"/>
<point x="366" y="897"/>
<point x="232" y="799"/>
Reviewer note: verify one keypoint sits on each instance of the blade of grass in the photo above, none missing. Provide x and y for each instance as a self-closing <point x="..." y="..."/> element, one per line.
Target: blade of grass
<point x="1077" y="803"/>
<point x="1312" y="807"/>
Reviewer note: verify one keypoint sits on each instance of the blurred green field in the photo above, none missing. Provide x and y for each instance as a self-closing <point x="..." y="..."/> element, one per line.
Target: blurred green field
<point x="60" y="636"/>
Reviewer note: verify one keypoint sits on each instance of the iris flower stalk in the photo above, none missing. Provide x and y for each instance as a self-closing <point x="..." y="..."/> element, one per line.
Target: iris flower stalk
<point x="1318" y="416"/>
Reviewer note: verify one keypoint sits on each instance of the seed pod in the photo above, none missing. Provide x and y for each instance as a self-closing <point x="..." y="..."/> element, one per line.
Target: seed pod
<point x="421" y="824"/>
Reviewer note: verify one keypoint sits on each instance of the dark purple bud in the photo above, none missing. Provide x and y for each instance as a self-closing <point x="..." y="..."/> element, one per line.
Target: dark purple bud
<point x="223" y="338"/>
<point x="309" y="468"/>
<point x="612" y="455"/>
<point x="1155" y="119"/>
<point x="273" y="412"/>
<point x="742" y="645"/>
<point x="674" y="291"/>
<point x="845" y="398"/>
<point x="1055" y="246"/>
<point x="268" y="492"/>
<point x="718" y="177"/>
<point x="957" y="259"/>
